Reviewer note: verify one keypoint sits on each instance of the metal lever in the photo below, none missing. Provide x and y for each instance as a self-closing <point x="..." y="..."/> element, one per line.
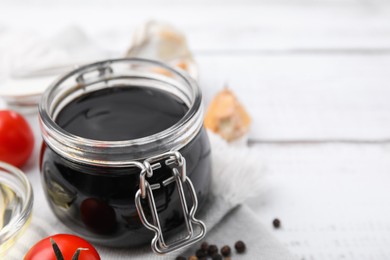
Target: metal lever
<point x="179" y="176"/>
<point x="104" y="70"/>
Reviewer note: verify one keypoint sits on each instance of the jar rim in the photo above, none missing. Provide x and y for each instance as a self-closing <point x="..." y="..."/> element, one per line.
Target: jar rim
<point x="96" y="152"/>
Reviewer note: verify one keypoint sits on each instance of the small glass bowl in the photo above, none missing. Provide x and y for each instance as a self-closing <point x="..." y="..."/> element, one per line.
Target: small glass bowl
<point x="16" y="201"/>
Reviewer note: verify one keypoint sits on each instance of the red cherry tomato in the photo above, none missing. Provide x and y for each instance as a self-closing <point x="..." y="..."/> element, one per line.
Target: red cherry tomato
<point x="16" y="138"/>
<point x="98" y="216"/>
<point x="67" y="244"/>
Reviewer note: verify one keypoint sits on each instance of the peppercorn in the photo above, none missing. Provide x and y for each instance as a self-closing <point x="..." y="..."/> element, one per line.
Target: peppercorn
<point x="204" y="246"/>
<point x="276" y="223"/>
<point x="213" y="249"/>
<point x="217" y="257"/>
<point x="225" y="251"/>
<point x="193" y="257"/>
<point x="200" y="253"/>
<point x="240" y="246"/>
<point x="180" y="257"/>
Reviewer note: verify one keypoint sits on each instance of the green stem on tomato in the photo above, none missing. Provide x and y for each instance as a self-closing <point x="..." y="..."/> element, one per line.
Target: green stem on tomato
<point x="56" y="249"/>
<point x="77" y="253"/>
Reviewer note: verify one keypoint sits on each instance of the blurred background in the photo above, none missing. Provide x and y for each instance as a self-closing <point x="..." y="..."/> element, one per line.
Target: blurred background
<point x="313" y="75"/>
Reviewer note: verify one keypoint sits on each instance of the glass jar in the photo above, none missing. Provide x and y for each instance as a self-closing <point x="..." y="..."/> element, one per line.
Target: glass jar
<point x="112" y="191"/>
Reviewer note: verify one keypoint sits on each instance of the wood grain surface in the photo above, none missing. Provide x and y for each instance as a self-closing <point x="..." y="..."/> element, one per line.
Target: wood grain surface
<point x="315" y="77"/>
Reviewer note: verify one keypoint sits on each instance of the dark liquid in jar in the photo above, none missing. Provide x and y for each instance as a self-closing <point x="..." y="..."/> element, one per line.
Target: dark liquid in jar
<point x="98" y="202"/>
<point x="116" y="114"/>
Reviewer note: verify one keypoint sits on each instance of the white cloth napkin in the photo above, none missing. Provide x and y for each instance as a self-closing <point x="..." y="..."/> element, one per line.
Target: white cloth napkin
<point x="237" y="175"/>
<point x="29" y="62"/>
<point x="23" y="52"/>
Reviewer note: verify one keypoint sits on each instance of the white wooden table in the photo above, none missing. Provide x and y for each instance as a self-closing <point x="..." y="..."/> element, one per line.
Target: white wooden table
<point x="314" y="75"/>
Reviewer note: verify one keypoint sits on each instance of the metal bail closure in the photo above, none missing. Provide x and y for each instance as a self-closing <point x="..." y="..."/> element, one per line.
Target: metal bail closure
<point x="145" y="191"/>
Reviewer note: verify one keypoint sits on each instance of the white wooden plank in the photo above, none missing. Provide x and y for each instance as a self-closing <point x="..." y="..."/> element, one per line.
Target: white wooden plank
<point x="247" y="26"/>
<point x="332" y="200"/>
<point x="306" y="97"/>
<point x="164" y="2"/>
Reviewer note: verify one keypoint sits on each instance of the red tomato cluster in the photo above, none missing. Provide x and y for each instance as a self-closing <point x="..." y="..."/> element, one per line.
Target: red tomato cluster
<point x="16" y="146"/>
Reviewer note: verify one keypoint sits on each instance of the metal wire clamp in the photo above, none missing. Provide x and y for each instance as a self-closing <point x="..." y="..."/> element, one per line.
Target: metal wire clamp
<point x="145" y="191"/>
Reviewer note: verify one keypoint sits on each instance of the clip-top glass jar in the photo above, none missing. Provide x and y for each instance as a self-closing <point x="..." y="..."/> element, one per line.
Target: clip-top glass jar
<point x="125" y="151"/>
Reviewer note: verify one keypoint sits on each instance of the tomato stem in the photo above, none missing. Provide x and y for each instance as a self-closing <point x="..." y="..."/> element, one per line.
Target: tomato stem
<point x="56" y="249"/>
<point x="77" y="253"/>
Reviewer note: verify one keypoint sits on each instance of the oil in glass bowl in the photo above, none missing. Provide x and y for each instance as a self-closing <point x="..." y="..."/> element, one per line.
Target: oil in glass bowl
<point x="16" y="200"/>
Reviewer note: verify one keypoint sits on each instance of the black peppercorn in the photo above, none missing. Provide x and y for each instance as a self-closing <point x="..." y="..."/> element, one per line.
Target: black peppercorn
<point x="276" y="223"/>
<point x="225" y="251"/>
<point x="200" y="253"/>
<point x="213" y="249"/>
<point x="240" y="246"/>
<point x="204" y="246"/>
<point x="217" y="257"/>
<point x="180" y="257"/>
